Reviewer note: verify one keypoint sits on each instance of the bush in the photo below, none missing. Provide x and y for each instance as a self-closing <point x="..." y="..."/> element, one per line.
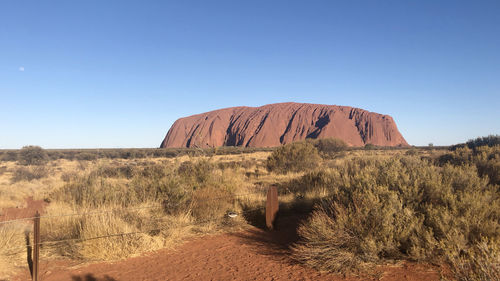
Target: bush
<point x="86" y="156"/>
<point x="314" y="182"/>
<point x="9" y="155"/>
<point x="196" y="173"/>
<point x="330" y="146"/>
<point x="480" y="262"/>
<point x="33" y="155"/>
<point x="403" y="207"/>
<point x="486" y="159"/>
<point x="210" y="203"/>
<point x="370" y="146"/>
<point x="29" y="173"/>
<point x="490" y="140"/>
<point x="294" y="157"/>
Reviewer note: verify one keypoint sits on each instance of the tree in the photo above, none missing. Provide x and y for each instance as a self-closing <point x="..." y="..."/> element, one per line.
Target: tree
<point x="32" y="155"/>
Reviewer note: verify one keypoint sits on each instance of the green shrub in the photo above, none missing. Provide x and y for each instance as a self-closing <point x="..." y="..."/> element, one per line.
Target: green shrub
<point x="294" y="157"/>
<point x="403" y="207"/>
<point x="32" y="155"/>
<point x="491" y="140"/>
<point x="370" y="146"/>
<point x="314" y="182"/>
<point x="330" y="146"/>
<point x="485" y="158"/>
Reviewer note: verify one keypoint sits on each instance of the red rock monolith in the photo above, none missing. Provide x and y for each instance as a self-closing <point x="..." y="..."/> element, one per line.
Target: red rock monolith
<point x="282" y="123"/>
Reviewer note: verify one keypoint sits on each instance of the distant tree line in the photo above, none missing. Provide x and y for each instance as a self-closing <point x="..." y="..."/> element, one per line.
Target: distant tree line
<point x="490" y="141"/>
<point x="35" y="155"/>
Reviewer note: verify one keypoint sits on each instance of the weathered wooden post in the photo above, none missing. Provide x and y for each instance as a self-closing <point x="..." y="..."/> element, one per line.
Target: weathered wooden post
<point x="36" y="245"/>
<point x="271" y="206"/>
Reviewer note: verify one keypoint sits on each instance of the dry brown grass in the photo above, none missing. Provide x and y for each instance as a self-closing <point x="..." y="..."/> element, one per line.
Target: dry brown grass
<point x="186" y="191"/>
<point x="12" y="247"/>
<point x="127" y="186"/>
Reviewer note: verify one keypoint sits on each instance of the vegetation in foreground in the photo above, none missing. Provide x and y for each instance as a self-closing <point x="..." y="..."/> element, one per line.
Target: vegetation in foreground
<point x="368" y="206"/>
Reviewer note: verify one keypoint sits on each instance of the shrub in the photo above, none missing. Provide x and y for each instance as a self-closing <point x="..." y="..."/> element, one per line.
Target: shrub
<point x="402" y="207"/>
<point x="479" y="262"/>
<point x="330" y="146"/>
<point x="29" y="173"/>
<point x="486" y="159"/>
<point x="370" y="146"/>
<point x="210" y="203"/>
<point x="490" y="140"/>
<point x="9" y="155"/>
<point x="86" y="156"/>
<point x="294" y="157"/>
<point x="315" y="183"/>
<point x="115" y="171"/>
<point x="195" y="173"/>
<point x="32" y="155"/>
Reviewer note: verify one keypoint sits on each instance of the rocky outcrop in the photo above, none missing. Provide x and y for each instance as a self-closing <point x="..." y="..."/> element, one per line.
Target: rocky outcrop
<point x="281" y="123"/>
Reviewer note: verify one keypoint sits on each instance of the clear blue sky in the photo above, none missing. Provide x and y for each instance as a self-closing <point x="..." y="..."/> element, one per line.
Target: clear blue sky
<point x="83" y="74"/>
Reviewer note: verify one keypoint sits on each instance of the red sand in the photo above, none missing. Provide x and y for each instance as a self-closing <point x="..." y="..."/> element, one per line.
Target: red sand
<point x="29" y="211"/>
<point x="253" y="254"/>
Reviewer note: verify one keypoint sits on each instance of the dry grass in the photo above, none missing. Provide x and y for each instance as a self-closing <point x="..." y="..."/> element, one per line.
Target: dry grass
<point x="12" y="248"/>
<point x="187" y="203"/>
<point x="371" y="205"/>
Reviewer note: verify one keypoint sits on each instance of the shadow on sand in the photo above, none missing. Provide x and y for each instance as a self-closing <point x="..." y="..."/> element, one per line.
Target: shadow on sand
<point x="274" y="243"/>
<point x="90" y="277"/>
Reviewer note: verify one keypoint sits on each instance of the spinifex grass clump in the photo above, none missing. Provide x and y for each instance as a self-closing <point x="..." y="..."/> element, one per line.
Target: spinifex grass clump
<point x="402" y="207"/>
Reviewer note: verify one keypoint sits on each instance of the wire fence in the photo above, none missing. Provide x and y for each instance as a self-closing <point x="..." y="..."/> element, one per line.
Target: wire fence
<point x="158" y="205"/>
<point x="149" y="230"/>
<point x="28" y="248"/>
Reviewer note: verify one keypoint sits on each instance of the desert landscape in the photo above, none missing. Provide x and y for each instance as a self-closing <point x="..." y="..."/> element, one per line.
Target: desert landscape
<point x="345" y="213"/>
<point x="249" y="140"/>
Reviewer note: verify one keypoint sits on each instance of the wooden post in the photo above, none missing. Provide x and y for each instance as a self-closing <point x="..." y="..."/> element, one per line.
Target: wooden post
<point x="36" y="246"/>
<point x="271" y="206"/>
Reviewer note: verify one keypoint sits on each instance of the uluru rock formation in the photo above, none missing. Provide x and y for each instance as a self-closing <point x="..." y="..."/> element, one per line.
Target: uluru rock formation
<point x="281" y="123"/>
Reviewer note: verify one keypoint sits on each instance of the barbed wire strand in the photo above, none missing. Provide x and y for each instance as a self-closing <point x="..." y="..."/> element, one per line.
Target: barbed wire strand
<point x="120" y="209"/>
<point x="144" y="231"/>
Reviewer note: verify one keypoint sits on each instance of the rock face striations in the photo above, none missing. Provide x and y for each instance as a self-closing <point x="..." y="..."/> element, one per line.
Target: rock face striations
<point x="281" y="123"/>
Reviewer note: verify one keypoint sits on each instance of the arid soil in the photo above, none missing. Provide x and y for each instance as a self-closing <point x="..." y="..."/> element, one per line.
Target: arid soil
<point x="23" y="211"/>
<point x="253" y="254"/>
<point x="281" y="123"/>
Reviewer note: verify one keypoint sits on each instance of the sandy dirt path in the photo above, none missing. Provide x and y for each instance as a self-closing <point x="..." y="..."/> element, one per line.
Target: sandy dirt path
<point x="253" y="254"/>
<point x="24" y="212"/>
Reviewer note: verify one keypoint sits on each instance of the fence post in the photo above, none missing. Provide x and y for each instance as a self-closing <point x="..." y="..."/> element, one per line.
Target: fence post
<point x="36" y="245"/>
<point x="271" y="206"/>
